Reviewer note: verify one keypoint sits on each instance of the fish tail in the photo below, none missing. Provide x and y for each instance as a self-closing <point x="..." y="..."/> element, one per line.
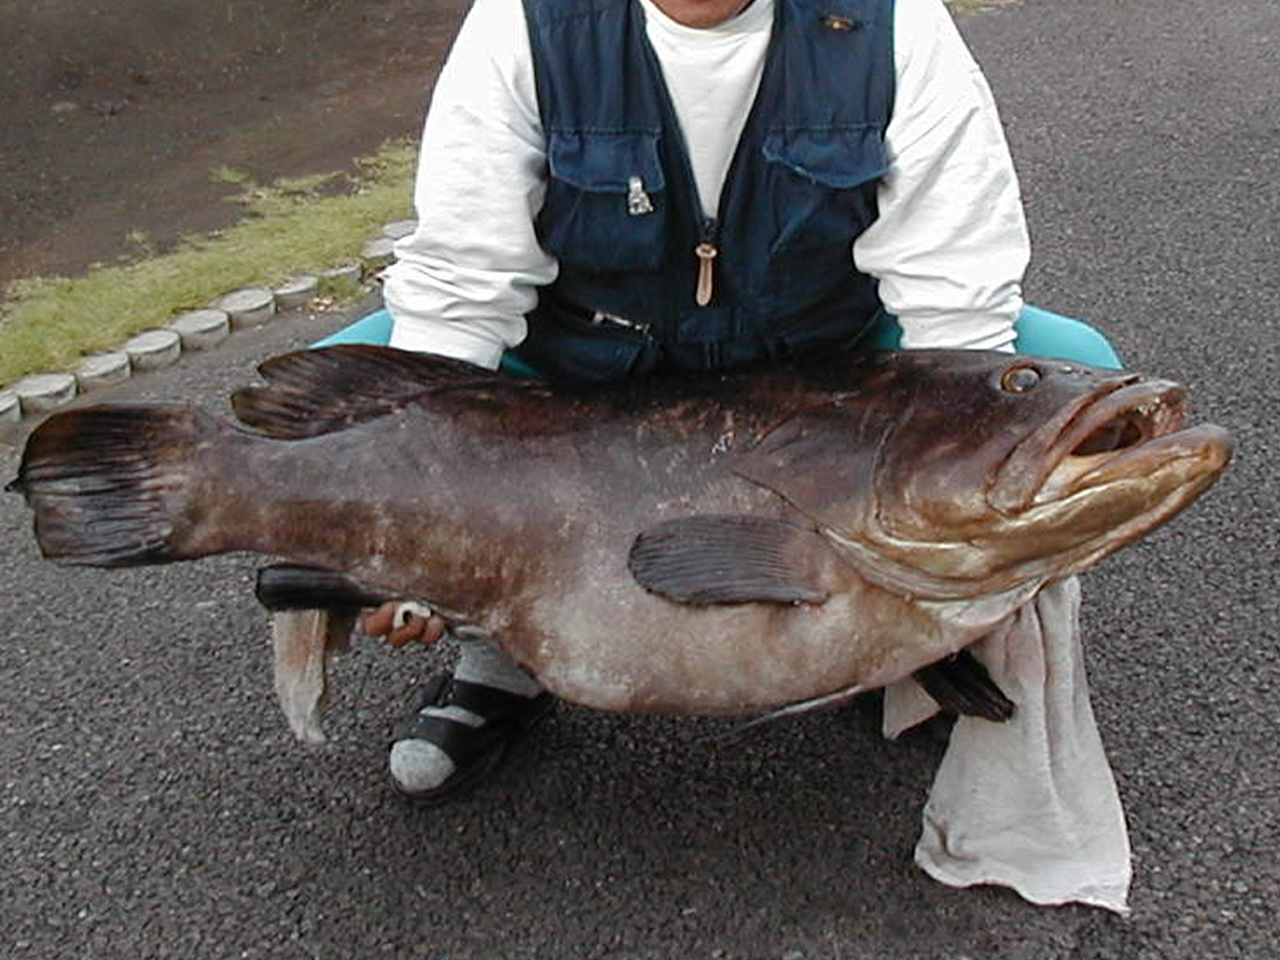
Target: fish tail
<point x="113" y="485"/>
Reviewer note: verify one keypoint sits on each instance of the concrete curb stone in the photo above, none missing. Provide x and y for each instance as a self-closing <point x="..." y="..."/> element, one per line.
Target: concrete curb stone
<point x="297" y="292"/>
<point x="42" y="392"/>
<point x="153" y="349"/>
<point x="249" y="307"/>
<point x="399" y="229"/>
<point x="103" y="370"/>
<point x="378" y="253"/>
<point x="201" y="329"/>
<point x="347" y="273"/>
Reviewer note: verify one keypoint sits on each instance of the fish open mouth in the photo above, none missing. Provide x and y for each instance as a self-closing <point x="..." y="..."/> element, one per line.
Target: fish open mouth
<point x="1129" y="432"/>
<point x="1108" y="468"/>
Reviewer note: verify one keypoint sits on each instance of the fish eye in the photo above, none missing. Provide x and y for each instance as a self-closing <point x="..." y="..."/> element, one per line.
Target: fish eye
<point x="1019" y="379"/>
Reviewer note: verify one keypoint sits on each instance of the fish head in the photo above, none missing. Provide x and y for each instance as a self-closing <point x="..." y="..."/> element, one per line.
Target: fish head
<point x="969" y="473"/>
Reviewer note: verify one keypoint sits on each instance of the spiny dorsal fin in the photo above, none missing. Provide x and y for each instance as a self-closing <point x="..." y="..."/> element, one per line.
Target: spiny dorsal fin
<point x="731" y="559"/>
<point x="311" y="392"/>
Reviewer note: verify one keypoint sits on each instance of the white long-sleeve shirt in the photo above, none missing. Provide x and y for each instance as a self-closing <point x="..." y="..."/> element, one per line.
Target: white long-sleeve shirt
<point x="948" y="248"/>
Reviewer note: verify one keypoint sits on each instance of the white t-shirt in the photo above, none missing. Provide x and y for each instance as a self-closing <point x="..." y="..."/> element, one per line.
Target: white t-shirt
<point x="948" y="249"/>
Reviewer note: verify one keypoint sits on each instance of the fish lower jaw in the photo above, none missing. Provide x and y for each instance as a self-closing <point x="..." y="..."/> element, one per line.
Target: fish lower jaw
<point x="1066" y="477"/>
<point x="1204" y="449"/>
<point x="1114" y="537"/>
<point x="1100" y="519"/>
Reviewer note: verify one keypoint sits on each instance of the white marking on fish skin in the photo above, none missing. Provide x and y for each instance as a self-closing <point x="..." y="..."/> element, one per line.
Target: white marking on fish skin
<point x="1066" y="473"/>
<point x="383" y="534"/>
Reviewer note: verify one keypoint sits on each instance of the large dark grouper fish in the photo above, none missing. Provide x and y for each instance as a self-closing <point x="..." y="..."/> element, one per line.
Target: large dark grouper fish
<point x="713" y="545"/>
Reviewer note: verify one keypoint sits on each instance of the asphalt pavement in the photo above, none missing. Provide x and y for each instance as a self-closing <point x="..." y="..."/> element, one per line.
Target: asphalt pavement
<point x="152" y="803"/>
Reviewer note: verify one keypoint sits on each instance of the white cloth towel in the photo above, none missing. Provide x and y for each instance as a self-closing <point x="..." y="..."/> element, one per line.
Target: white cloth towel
<point x="1030" y="803"/>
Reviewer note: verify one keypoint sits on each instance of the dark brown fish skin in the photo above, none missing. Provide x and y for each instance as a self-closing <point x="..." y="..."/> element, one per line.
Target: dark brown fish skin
<point x="514" y="508"/>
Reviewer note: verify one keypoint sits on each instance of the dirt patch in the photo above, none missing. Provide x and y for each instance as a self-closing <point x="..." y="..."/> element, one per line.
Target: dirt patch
<point x="115" y="113"/>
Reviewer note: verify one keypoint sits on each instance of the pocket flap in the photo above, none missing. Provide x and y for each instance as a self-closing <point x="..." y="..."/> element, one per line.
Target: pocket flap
<point x="605" y="162"/>
<point x="839" y="159"/>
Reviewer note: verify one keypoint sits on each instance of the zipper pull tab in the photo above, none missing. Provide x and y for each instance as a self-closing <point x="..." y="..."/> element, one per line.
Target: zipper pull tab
<point x="706" y="255"/>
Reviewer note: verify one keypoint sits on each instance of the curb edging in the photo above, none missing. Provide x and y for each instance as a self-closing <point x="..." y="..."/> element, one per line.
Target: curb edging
<point x="193" y="330"/>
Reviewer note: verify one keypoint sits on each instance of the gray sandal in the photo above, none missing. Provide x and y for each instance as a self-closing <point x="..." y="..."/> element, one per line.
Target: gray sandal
<point x="475" y="751"/>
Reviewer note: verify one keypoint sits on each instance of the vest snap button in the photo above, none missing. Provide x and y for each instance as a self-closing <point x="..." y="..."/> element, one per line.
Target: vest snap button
<point x="840" y="24"/>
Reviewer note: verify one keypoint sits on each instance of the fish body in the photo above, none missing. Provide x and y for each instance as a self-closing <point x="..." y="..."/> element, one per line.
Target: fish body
<point x="714" y="545"/>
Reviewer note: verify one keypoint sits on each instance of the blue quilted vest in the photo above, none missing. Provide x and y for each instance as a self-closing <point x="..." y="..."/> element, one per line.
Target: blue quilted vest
<point x="646" y="281"/>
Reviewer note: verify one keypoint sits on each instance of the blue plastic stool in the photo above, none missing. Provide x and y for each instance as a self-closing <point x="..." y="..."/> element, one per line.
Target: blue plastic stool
<point x="375" y="328"/>
<point x="1040" y="333"/>
<point x="1044" y="334"/>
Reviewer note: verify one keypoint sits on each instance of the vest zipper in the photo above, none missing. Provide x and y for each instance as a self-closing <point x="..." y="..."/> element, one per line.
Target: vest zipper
<point x="602" y="319"/>
<point x="706" y="252"/>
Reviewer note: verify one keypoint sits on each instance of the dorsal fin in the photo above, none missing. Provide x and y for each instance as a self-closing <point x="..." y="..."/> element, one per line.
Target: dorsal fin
<point x="311" y="392"/>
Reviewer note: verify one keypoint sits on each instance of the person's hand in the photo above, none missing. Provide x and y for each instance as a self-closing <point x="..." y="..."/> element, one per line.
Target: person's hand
<point x="414" y="628"/>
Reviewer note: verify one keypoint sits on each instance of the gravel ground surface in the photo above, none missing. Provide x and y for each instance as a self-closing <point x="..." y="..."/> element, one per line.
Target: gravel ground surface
<point x="153" y="805"/>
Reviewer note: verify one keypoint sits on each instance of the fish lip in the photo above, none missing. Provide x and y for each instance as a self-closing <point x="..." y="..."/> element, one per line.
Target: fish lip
<point x="1054" y="460"/>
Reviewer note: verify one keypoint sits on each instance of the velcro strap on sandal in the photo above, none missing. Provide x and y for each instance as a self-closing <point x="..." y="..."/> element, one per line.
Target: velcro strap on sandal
<point x="489" y="702"/>
<point x="464" y="743"/>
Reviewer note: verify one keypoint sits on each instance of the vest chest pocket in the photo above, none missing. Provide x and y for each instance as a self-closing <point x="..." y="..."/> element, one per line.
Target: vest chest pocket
<point x="822" y="186"/>
<point x="605" y="207"/>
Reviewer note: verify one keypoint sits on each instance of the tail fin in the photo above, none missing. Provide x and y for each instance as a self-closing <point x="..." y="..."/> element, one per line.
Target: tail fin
<point x="110" y="485"/>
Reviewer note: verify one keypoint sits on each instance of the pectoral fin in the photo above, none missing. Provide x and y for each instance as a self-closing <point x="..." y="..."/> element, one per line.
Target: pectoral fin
<point x="732" y="559"/>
